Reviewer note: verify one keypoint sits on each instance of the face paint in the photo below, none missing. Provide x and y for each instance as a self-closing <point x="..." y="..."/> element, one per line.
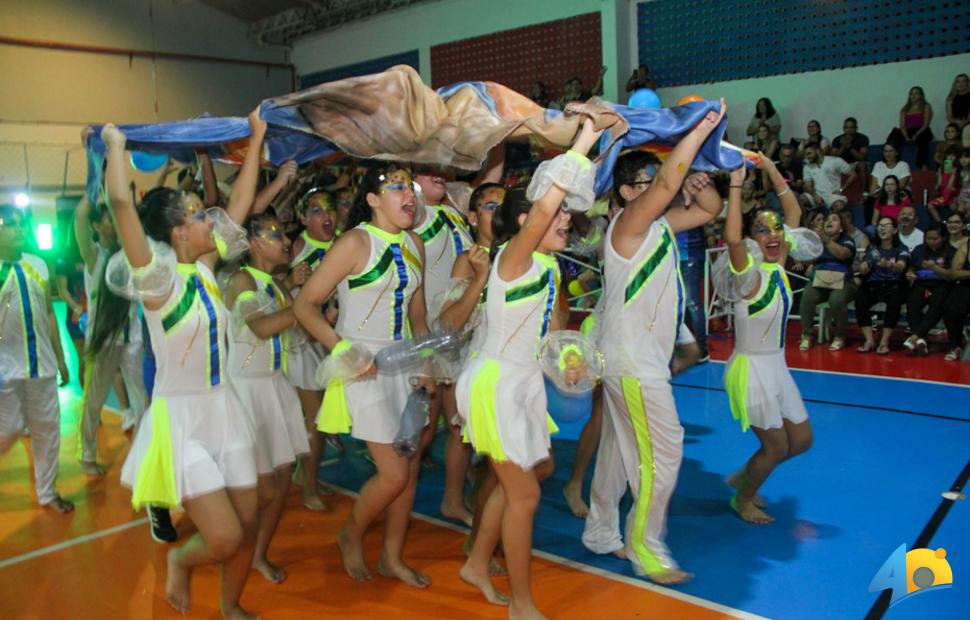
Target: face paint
<point x="397" y="181"/>
<point x="767" y="222"/>
<point x="489" y="206"/>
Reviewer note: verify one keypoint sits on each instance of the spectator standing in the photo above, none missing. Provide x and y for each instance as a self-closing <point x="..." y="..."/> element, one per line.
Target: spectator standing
<point x="640" y="79"/>
<point x="823" y="177"/>
<point x="958" y="106"/>
<point x="914" y="126"/>
<point x="764" y="114"/>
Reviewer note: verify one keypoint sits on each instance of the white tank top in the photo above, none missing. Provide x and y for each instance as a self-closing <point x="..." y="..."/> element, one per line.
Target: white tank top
<point x="248" y="354"/>
<point x="189" y="334"/>
<point x="374" y="303"/>
<point x="445" y="236"/>
<point x="312" y="253"/>
<point x="760" y="321"/>
<point x="643" y="305"/>
<point x="518" y="314"/>
<point x="26" y="351"/>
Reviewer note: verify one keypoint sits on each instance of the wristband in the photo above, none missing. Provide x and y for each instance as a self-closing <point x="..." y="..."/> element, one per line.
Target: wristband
<point x="782" y="193"/>
<point x="736" y="186"/>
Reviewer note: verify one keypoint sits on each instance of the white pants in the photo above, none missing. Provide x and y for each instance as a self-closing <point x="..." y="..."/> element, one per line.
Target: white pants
<point x="641" y="445"/>
<point x="33" y="402"/>
<point x="129" y="359"/>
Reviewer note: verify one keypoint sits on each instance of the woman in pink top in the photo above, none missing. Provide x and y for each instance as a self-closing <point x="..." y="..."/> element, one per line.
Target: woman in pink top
<point x="914" y="126"/>
<point x="890" y="201"/>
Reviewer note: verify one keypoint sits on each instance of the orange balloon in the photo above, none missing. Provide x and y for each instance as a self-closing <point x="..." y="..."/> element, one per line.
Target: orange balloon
<point x="689" y="99"/>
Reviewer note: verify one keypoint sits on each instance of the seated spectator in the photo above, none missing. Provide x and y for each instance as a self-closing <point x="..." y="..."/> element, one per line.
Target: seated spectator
<point x="883" y="269"/>
<point x="831" y="280"/>
<point x="962" y="183"/>
<point x="957" y="304"/>
<point x="764" y="114"/>
<point x="958" y="106"/>
<point x="791" y="171"/>
<point x="853" y="147"/>
<point x="640" y="79"/>
<point x="815" y="138"/>
<point x="860" y="237"/>
<point x="823" y="178"/>
<point x="539" y="94"/>
<point x="914" y="126"/>
<point x="909" y="234"/>
<point x="573" y="90"/>
<point x="890" y="200"/>
<point x="766" y="142"/>
<point x="928" y="274"/>
<point x="890" y="165"/>
<point x="946" y="186"/>
<point x="951" y="140"/>
<point x="956" y="229"/>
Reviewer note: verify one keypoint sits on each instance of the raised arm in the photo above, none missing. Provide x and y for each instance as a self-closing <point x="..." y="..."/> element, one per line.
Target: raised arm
<point x="210" y="186"/>
<point x="636" y="218"/>
<point x="472" y="265"/>
<point x="697" y="188"/>
<point x="244" y="189"/>
<point x="517" y="257"/>
<point x="733" y="235"/>
<point x="132" y="235"/>
<point x="789" y="204"/>
<point x="284" y="175"/>
<point x="494" y="166"/>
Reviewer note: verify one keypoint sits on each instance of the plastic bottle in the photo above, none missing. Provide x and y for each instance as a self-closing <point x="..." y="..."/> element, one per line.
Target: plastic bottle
<point x="413" y="419"/>
<point x="408" y="354"/>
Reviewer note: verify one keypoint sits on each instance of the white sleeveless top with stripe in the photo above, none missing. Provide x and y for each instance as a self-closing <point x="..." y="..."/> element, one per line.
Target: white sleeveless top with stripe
<point x="445" y="236"/>
<point x="249" y="355"/>
<point x="761" y="320"/>
<point x="26" y="351"/>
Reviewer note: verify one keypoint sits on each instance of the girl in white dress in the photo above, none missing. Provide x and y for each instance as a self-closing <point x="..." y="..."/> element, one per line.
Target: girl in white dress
<point x="260" y="319"/>
<point x="376" y="270"/>
<point x="501" y="394"/>
<point x="194" y="448"/>
<point x="760" y="387"/>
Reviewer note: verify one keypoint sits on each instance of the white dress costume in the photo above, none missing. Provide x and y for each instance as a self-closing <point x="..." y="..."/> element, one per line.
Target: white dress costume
<point x="196" y="437"/>
<point x="256" y="367"/>
<point x="28" y="369"/>
<point x="125" y="353"/>
<point x="642" y="439"/>
<point x="373" y="314"/>
<point x="445" y="236"/>
<point x="306" y="354"/>
<point x="759" y="385"/>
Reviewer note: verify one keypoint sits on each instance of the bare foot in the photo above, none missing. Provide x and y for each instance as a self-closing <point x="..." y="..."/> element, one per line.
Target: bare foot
<point x="238" y="613"/>
<point x="671" y="576"/>
<point x="525" y="613"/>
<point x="92" y="468"/>
<point x="312" y="500"/>
<point x="734" y="482"/>
<point x="574" y="499"/>
<point x="749" y="512"/>
<point x="177" y="582"/>
<point x="483" y="583"/>
<point x="60" y="505"/>
<point x="352" y="555"/>
<point x="323" y="490"/>
<point x="457" y="513"/>
<point x="621" y="553"/>
<point x="400" y="570"/>
<point x="495" y="568"/>
<point x="273" y="573"/>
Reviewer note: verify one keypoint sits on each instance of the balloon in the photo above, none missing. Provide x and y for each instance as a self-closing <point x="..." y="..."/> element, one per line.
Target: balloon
<point x="689" y="99"/>
<point x="148" y="162"/>
<point x="644" y="98"/>
<point x="565" y="407"/>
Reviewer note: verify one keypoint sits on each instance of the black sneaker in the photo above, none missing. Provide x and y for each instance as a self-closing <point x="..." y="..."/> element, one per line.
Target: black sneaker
<point x="162" y="529"/>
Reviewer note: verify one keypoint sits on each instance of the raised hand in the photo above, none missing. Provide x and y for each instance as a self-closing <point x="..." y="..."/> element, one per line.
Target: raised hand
<point x="112" y="136"/>
<point x="479" y="261"/>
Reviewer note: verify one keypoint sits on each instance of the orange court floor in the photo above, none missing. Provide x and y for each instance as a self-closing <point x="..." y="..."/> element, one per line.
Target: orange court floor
<point x="100" y="562"/>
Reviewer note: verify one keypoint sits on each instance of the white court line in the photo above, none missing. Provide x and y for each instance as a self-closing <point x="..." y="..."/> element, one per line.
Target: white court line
<point x="862" y="374"/>
<point x="632" y="581"/>
<point x="73" y="542"/>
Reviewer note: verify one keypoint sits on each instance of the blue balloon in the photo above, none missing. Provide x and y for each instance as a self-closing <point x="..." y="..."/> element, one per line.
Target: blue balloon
<point x="644" y="98"/>
<point x="565" y="407"/>
<point x="148" y="162"/>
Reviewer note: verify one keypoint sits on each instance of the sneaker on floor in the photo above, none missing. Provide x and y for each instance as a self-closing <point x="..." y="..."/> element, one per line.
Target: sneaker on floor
<point x="162" y="529"/>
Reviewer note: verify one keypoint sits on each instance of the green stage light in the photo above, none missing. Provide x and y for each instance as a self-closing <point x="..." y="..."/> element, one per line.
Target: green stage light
<point x="45" y="237"/>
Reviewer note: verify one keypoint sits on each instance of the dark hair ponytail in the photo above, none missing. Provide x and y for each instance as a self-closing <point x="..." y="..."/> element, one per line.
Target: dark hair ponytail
<point x="371" y="182"/>
<point x="110" y="310"/>
<point x="505" y="220"/>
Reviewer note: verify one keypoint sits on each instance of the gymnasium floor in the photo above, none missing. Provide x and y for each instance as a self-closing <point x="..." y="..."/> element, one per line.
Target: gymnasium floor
<point x="887" y="444"/>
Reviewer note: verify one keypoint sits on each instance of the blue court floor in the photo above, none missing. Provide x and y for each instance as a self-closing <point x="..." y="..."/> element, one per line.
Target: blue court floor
<point x="885" y="450"/>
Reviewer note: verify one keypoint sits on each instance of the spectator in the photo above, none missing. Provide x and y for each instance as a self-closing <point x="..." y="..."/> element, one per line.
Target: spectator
<point x="823" y="178"/>
<point x="929" y="270"/>
<point x="766" y="142"/>
<point x="962" y="182"/>
<point x="909" y="234"/>
<point x="573" y="90"/>
<point x="946" y="186"/>
<point x="859" y="237"/>
<point x="914" y="126"/>
<point x="764" y="114"/>
<point x="889" y="201"/>
<point x="890" y="165"/>
<point x="640" y="79"/>
<point x="815" y="138"/>
<point x="883" y="268"/>
<point x="956" y="229"/>
<point x="791" y="171"/>
<point x="958" y="106"/>
<point x="957" y="303"/>
<point x="951" y="140"/>
<point x="539" y="94"/>
<point x="831" y="280"/>
<point x="853" y="147"/>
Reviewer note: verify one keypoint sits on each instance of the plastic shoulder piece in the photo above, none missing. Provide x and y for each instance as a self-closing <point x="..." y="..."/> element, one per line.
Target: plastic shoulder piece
<point x="571" y="361"/>
<point x="806" y="245"/>
<point x="248" y="304"/>
<point x="456" y="288"/>
<point x="230" y="237"/>
<point x="735" y="285"/>
<point x="346" y="362"/>
<point x="571" y="172"/>
<point x="154" y="280"/>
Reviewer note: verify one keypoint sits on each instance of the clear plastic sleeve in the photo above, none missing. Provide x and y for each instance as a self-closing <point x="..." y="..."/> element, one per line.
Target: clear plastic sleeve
<point x="736" y="285"/>
<point x="456" y="288"/>
<point x="571" y="361"/>
<point x="229" y="237"/>
<point x="154" y="280"/>
<point x="248" y="304"/>
<point x="806" y="245"/>
<point x="571" y="172"/>
<point x="344" y="364"/>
